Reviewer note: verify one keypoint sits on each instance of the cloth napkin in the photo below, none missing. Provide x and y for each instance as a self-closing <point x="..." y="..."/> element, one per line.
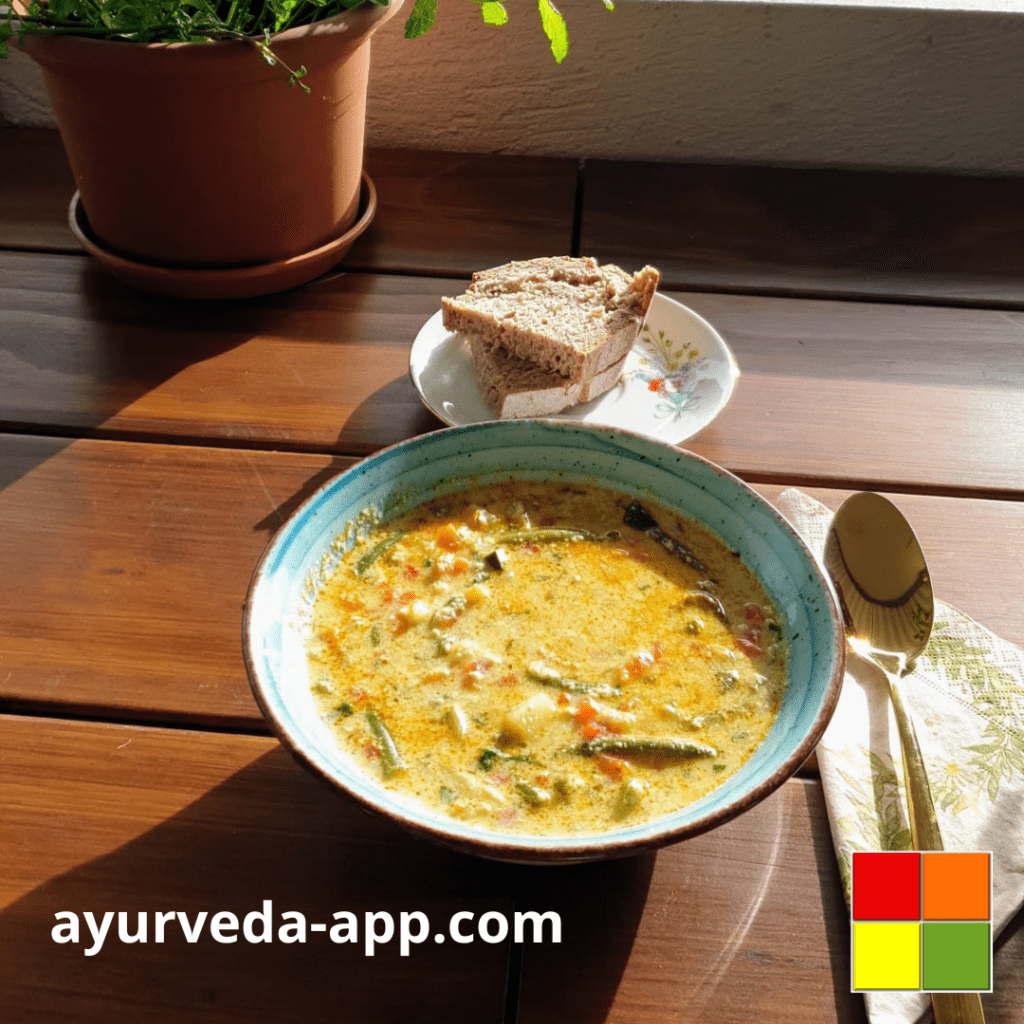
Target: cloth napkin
<point x="965" y="696"/>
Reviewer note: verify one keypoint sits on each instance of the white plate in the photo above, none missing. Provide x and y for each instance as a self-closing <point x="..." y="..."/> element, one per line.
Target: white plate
<point x="678" y="377"/>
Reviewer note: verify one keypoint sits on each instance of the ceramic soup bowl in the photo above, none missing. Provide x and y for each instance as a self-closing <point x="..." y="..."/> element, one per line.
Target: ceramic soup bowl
<point x="277" y="611"/>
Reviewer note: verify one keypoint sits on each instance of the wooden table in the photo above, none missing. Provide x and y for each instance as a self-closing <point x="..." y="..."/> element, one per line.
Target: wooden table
<point x="149" y="449"/>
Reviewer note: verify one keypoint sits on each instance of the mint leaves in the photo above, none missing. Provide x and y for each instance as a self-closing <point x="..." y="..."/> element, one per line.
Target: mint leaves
<point x="421" y="21"/>
<point x="555" y="29"/>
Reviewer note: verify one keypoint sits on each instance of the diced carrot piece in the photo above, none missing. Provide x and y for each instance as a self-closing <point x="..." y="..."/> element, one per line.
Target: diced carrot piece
<point x="586" y="714"/>
<point x="591" y="730"/>
<point x="448" y="537"/>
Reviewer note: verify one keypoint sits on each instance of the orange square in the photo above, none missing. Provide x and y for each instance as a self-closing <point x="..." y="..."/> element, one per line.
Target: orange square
<point x="956" y="886"/>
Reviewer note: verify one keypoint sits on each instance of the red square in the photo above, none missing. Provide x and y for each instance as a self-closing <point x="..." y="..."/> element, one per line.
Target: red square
<point x="887" y="886"/>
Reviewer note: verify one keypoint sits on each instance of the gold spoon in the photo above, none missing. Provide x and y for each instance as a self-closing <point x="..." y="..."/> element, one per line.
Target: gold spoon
<point x="885" y="592"/>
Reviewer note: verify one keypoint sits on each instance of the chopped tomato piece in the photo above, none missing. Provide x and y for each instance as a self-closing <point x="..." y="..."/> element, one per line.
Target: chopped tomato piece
<point x="507" y="815"/>
<point x="586" y="713"/>
<point x="410" y="572"/>
<point x="754" y="614"/>
<point x="641" y="663"/>
<point x="508" y="680"/>
<point x="750" y="644"/>
<point x="371" y="750"/>
<point x="591" y="730"/>
<point x="610" y="766"/>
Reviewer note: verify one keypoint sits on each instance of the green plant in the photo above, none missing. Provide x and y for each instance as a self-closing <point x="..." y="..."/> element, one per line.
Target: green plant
<point x="254" y="21"/>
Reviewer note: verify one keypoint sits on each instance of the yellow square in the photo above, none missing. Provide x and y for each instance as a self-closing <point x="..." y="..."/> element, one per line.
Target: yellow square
<point x="886" y="955"/>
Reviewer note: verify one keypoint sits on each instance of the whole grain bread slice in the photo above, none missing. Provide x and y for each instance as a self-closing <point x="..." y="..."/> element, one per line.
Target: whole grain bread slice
<point x="516" y="388"/>
<point x="565" y="314"/>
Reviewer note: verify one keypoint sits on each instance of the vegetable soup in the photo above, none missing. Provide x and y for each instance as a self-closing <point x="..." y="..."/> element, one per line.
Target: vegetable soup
<point x="546" y="658"/>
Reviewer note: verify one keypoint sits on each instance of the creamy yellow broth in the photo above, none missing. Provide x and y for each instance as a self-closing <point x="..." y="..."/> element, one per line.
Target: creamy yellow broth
<point x="477" y="656"/>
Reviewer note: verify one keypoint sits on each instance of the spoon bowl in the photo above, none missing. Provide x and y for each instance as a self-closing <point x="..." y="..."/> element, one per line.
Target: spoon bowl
<point x="885" y="594"/>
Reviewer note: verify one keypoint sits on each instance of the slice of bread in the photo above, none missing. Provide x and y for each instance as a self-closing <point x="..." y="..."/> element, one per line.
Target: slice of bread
<point x="562" y="313"/>
<point x="516" y="388"/>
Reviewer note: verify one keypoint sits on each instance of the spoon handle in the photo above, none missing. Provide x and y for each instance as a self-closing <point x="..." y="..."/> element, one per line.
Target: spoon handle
<point x="949" y="1007"/>
<point x="924" y="828"/>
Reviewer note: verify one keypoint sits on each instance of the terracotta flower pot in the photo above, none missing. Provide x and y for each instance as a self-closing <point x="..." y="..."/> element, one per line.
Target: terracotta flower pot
<point x="200" y="155"/>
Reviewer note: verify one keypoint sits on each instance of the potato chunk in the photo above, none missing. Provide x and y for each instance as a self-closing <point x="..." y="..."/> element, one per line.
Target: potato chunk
<point x="527" y="719"/>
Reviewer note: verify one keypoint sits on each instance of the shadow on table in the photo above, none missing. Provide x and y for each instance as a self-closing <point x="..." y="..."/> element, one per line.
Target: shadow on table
<point x="601" y="906"/>
<point x="271" y="832"/>
<point x="102" y="368"/>
<point x="268" y="832"/>
<point x="849" y="1010"/>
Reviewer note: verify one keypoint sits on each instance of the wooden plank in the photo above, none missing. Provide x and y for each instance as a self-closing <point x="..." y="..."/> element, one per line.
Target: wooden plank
<point x="742" y="924"/>
<point x="454" y="213"/>
<point x="487" y="208"/>
<point x="125" y="567"/>
<point x="36" y="187"/>
<point x="125" y="570"/>
<point x="99" y="818"/>
<point x="831" y="393"/>
<point x="870" y="395"/>
<point x="325" y="367"/>
<point x="901" y="236"/>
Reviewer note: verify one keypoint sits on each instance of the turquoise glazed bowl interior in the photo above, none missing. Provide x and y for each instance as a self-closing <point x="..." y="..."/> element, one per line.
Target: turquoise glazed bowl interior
<point x="397" y="479"/>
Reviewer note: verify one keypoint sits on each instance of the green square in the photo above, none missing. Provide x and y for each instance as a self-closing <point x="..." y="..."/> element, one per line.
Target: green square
<point x="956" y="956"/>
<point x="886" y="955"/>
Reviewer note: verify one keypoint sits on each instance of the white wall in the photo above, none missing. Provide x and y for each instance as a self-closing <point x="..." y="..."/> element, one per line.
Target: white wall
<point x="860" y="86"/>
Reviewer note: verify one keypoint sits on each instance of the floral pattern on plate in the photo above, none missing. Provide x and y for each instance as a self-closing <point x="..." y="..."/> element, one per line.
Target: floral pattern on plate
<point x="678" y="377"/>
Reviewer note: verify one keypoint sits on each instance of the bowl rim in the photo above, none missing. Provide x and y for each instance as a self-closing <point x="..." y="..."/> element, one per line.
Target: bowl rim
<point x="513" y="847"/>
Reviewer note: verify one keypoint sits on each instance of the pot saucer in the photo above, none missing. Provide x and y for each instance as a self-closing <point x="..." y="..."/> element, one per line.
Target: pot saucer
<point x="225" y="282"/>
